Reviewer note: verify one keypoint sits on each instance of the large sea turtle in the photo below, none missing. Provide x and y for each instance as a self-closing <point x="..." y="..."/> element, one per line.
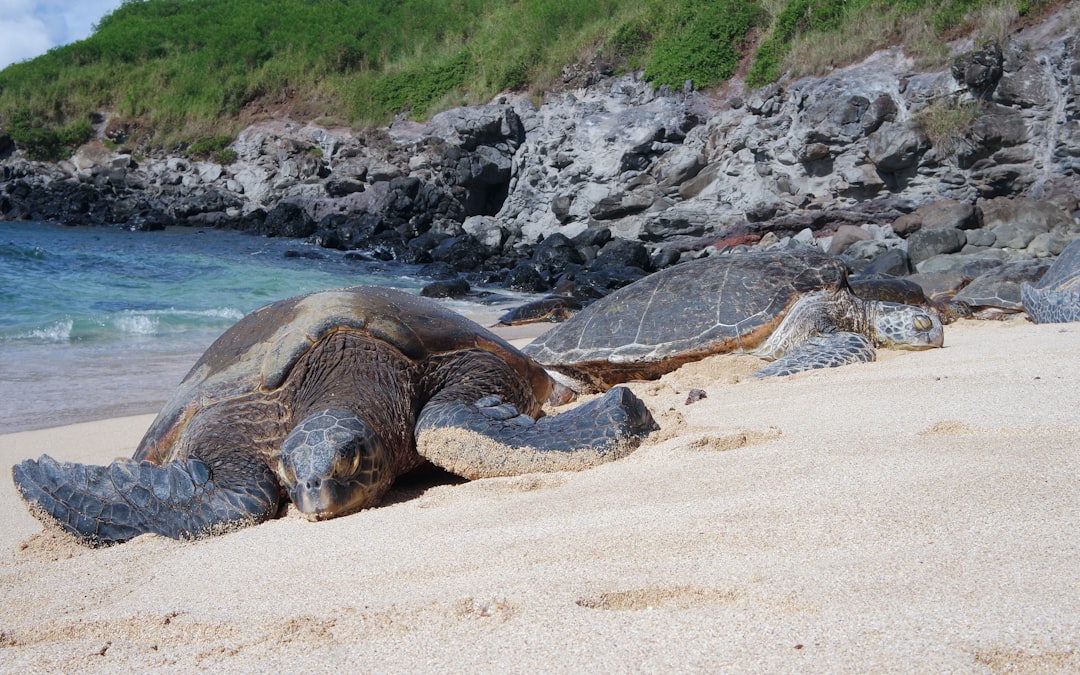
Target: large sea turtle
<point x="793" y="307"/>
<point x="325" y="399"/>
<point x="1056" y="298"/>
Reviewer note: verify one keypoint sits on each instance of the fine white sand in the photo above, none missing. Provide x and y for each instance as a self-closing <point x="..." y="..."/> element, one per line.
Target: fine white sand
<point x="916" y="514"/>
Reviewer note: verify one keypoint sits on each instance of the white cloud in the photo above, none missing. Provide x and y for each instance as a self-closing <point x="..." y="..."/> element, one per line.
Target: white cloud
<point x="21" y="38"/>
<point x="29" y="28"/>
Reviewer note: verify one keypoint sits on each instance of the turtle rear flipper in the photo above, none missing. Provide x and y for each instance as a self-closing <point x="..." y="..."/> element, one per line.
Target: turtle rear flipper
<point x="822" y="351"/>
<point x="489" y="438"/>
<point x="103" y="505"/>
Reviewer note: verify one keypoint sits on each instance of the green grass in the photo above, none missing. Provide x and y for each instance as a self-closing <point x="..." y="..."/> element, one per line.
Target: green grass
<point x="180" y="72"/>
<point x="947" y="122"/>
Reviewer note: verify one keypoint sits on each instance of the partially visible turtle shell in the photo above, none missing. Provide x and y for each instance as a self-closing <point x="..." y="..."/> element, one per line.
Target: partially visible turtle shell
<point x="1056" y="298"/>
<point x="553" y="308"/>
<point x="999" y="288"/>
<point x="709" y="306"/>
<point x="888" y="289"/>
<point x="258" y="352"/>
<point x="906" y="291"/>
<point x="1064" y="272"/>
<point x="941" y="286"/>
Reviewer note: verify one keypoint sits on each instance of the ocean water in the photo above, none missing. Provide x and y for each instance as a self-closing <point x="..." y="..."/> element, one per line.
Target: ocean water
<point x="104" y="322"/>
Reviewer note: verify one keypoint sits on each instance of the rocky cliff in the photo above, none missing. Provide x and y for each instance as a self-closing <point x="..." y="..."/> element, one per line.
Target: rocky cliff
<point x="607" y="182"/>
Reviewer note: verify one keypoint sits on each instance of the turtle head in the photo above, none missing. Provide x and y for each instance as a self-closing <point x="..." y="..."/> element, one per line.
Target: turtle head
<point x="898" y="326"/>
<point x="333" y="463"/>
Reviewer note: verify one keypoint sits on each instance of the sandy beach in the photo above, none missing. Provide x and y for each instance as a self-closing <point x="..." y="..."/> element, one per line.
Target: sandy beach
<point x="916" y="514"/>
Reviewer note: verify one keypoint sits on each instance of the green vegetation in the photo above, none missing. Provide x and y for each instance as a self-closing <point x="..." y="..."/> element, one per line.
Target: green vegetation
<point x="183" y="74"/>
<point x="810" y="36"/>
<point x="947" y="123"/>
<point x="44" y="142"/>
<point x="214" y="148"/>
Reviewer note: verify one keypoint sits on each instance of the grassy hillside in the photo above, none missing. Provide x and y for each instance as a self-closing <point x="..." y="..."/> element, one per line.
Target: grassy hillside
<point x="177" y="72"/>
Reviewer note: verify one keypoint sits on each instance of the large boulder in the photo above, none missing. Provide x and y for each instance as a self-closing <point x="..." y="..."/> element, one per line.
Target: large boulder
<point x="288" y="220"/>
<point x="895" y="147"/>
<point x="1017" y="221"/>
<point x="926" y="244"/>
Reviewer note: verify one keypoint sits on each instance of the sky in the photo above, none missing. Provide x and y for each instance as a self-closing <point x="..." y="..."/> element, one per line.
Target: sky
<point x="29" y="28"/>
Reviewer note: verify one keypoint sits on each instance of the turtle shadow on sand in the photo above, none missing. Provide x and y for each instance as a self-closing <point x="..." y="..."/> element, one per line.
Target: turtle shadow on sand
<point x="324" y="400"/>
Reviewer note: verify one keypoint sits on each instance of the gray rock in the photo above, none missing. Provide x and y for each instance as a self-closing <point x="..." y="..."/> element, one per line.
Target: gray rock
<point x="342" y="186"/>
<point x="1049" y="244"/>
<point x="895" y="147"/>
<point x="560" y="206"/>
<point x="486" y="230"/>
<point x="979" y="70"/>
<point x="981" y="237"/>
<point x="1016" y="222"/>
<point x="948" y="213"/>
<point x="694" y="186"/>
<point x="845" y="236"/>
<point x="288" y="220"/>
<point x="677" y="166"/>
<point x="672" y="223"/>
<point x="970" y="265"/>
<point x="623" y="204"/>
<point x="926" y="244"/>
<point x="890" y="262"/>
<point x="1023" y="82"/>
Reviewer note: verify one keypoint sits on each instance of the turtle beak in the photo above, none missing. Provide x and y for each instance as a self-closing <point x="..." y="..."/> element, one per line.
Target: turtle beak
<point x="312" y="497"/>
<point x="320" y="498"/>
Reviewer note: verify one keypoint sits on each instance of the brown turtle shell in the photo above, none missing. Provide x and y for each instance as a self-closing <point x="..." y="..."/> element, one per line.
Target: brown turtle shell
<point x="256" y="354"/>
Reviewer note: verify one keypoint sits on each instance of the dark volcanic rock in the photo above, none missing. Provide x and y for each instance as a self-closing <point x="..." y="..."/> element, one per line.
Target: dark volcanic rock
<point x="525" y="277"/>
<point x="623" y="253"/>
<point x="450" y="288"/>
<point x="288" y="220"/>
<point x="555" y="253"/>
<point x="463" y="252"/>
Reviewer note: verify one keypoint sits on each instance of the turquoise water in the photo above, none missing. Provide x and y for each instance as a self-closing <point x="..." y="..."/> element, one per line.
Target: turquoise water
<point x="102" y="322"/>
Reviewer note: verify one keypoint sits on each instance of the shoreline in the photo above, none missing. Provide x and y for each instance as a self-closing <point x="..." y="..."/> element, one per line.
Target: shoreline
<point x="37" y="396"/>
<point x="914" y="513"/>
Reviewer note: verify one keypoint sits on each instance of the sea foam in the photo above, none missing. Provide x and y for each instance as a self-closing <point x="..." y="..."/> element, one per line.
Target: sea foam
<point x="59" y="331"/>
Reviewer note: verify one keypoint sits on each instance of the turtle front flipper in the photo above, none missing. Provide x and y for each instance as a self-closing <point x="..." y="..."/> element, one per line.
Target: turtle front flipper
<point x="822" y="351"/>
<point x="103" y="505"/>
<point x="489" y="438"/>
<point x="1048" y="305"/>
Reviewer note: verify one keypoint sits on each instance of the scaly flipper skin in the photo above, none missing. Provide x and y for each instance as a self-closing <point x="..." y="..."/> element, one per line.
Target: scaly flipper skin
<point x="823" y="351"/>
<point x="598" y="431"/>
<point x="103" y="505"/>
<point x="1047" y="305"/>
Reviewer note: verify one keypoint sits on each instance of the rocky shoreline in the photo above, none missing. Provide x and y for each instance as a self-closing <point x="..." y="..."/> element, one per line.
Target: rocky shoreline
<point x="607" y="182"/>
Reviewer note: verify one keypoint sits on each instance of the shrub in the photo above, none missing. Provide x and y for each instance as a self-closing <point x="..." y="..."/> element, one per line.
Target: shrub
<point x="215" y="148"/>
<point x="947" y="123"/>
<point x="702" y="43"/>
<point x="48" y="144"/>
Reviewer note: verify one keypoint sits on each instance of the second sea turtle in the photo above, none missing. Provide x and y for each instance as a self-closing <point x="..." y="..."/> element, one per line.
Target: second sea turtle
<point x="791" y="307"/>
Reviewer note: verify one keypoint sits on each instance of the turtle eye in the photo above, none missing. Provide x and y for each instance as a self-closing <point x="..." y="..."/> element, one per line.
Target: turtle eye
<point x="923" y="322"/>
<point x="350" y="455"/>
